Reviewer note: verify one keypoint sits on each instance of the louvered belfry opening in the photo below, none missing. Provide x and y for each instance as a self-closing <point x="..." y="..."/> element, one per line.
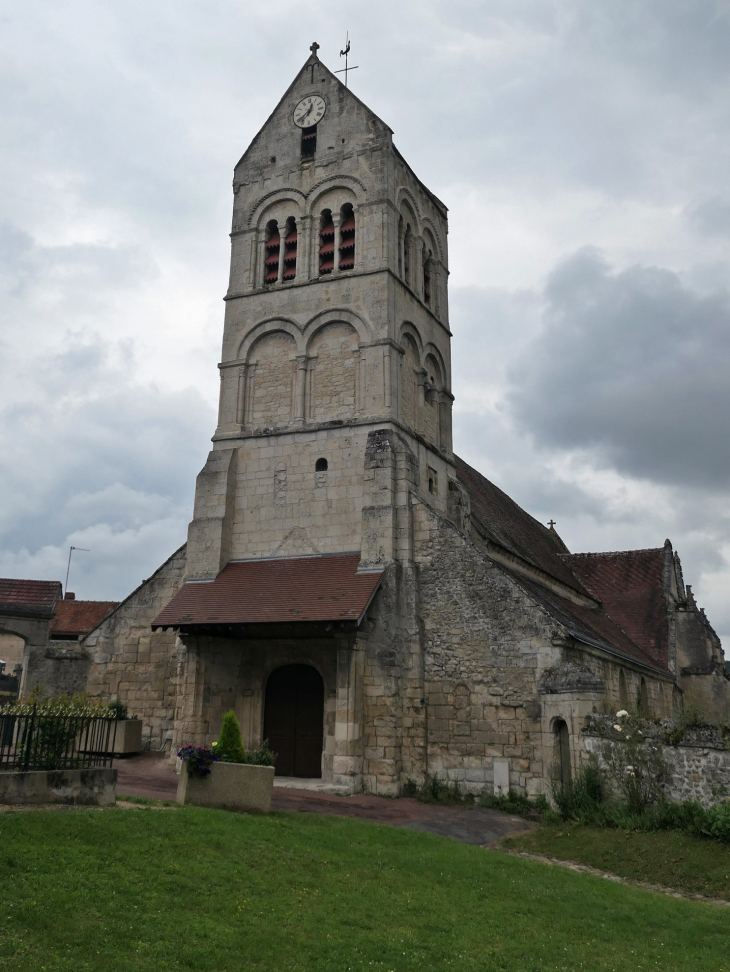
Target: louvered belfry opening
<point x="347" y="238"/>
<point x="309" y="142"/>
<point x="273" y="241"/>
<point x="427" y="280"/>
<point x="326" y="243"/>
<point x="290" y="255"/>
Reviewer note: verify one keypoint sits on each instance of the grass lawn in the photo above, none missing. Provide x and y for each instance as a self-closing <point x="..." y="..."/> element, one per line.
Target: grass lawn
<point x="669" y="858"/>
<point x="207" y="890"/>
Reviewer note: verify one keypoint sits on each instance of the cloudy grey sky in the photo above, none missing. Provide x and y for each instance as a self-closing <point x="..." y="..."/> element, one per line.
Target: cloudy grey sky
<point x="583" y="151"/>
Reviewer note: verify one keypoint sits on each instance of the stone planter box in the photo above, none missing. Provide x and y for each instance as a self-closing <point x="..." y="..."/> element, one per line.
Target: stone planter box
<point x="129" y="737"/>
<point x="230" y="786"/>
<point x="96" y="787"/>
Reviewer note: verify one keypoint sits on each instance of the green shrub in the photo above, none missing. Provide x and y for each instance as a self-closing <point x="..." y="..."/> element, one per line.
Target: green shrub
<point x="261" y="757"/>
<point x="583" y="798"/>
<point x="229" y="747"/>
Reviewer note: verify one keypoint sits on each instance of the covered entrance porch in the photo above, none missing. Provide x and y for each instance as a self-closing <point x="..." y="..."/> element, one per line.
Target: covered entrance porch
<point x="277" y="641"/>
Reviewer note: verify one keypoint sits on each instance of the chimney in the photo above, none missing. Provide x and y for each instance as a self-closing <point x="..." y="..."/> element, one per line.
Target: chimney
<point x="69" y="596"/>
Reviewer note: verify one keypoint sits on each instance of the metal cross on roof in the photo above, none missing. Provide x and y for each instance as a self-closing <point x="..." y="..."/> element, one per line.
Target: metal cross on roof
<point x="551" y="524"/>
<point x="344" y="54"/>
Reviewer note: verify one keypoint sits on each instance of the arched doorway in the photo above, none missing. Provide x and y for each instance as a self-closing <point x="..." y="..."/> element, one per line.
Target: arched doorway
<point x="294" y="720"/>
<point x="562" y="753"/>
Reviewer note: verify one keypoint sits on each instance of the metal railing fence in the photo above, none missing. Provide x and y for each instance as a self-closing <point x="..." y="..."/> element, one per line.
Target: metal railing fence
<point x="32" y="741"/>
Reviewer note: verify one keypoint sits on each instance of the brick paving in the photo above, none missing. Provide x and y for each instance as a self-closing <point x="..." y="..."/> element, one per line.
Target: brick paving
<point x="148" y="775"/>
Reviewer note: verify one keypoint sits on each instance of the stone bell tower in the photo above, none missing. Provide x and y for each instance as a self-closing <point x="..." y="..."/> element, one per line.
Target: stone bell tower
<point x="336" y="328"/>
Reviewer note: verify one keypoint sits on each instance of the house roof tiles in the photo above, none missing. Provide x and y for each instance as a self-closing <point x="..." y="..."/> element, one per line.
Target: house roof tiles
<point x="318" y="588"/>
<point x="77" y="618"/>
<point x="29" y="595"/>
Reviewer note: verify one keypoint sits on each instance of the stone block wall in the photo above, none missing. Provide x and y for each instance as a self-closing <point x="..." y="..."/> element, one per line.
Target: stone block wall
<point x="698" y="767"/>
<point x="60" y="669"/>
<point x="485" y="644"/>
<point x="135" y="664"/>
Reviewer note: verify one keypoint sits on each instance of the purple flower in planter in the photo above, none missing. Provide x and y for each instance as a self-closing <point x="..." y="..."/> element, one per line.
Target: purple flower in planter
<point x="197" y="759"/>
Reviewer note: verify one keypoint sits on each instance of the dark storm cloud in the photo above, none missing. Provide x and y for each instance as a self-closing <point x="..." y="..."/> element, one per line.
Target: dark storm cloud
<point x="634" y="366"/>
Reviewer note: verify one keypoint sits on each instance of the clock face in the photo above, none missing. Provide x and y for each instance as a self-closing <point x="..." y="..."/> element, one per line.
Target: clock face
<point x="309" y="111"/>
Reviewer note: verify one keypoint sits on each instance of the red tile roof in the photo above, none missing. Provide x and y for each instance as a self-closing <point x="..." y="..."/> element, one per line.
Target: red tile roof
<point x="28" y="595"/>
<point x="321" y="588"/>
<point x="77" y="618"/>
<point x="632" y="619"/>
<point x="630" y="585"/>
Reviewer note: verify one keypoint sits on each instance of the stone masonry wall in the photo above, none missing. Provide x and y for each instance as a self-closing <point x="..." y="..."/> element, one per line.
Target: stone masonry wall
<point x="135" y="664"/>
<point x="62" y="668"/>
<point x="698" y="767"/>
<point x="485" y="644"/>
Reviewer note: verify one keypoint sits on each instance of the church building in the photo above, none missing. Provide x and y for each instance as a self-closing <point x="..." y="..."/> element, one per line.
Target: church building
<point x="361" y="597"/>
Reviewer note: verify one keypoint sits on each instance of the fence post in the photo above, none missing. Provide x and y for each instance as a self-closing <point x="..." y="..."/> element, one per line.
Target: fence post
<point x="29" y="739"/>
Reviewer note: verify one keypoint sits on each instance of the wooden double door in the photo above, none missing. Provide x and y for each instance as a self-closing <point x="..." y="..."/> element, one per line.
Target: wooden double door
<point x="294" y="720"/>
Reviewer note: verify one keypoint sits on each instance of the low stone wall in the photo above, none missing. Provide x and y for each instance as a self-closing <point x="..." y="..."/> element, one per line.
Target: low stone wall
<point x="60" y="668"/>
<point x="96" y="786"/>
<point x="698" y="763"/>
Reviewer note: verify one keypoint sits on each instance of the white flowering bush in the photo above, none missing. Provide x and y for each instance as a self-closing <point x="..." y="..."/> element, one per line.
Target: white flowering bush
<point x="633" y="763"/>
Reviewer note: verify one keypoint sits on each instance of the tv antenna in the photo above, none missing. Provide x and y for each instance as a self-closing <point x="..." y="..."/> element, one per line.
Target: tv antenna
<point x="344" y="54"/>
<point x="68" y="568"/>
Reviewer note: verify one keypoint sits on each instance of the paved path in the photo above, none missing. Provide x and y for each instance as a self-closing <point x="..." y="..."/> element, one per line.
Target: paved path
<point x="148" y="775"/>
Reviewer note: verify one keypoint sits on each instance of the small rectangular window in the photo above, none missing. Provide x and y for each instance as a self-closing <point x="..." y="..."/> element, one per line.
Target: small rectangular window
<point x="433" y="481"/>
<point x="309" y="142"/>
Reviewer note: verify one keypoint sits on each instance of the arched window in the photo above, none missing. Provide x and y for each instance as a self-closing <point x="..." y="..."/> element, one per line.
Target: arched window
<point x="623" y="692"/>
<point x="643" y="698"/>
<point x="407" y="244"/>
<point x="427" y="264"/>
<point x="290" y="256"/>
<point x="273" y="241"/>
<point x="347" y="238"/>
<point x="561" y="738"/>
<point x="326" y="243"/>
<point x="401" y="235"/>
<point x="320" y="465"/>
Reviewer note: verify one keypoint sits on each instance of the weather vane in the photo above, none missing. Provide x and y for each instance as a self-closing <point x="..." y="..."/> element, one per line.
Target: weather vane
<point x="344" y="54"/>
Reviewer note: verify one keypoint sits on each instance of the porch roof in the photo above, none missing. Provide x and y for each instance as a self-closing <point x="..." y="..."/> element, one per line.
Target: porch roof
<point x="327" y="587"/>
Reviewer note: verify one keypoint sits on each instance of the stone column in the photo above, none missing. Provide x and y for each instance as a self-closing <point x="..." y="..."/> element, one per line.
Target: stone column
<point x="301" y="386"/>
<point x="347" y="762"/>
<point x="282" y="251"/>
<point x="304" y="234"/>
<point x="336" y="220"/>
<point x="421" y="376"/>
<point x="387" y="379"/>
<point x="241" y="396"/>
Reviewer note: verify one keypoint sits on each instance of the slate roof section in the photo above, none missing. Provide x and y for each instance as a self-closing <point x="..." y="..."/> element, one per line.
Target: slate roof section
<point x="74" y="619"/>
<point x="511" y="527"/>
<point x="28" y="596"/>
<point x="629" y="583"/>
<point x="286" y="589"/>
